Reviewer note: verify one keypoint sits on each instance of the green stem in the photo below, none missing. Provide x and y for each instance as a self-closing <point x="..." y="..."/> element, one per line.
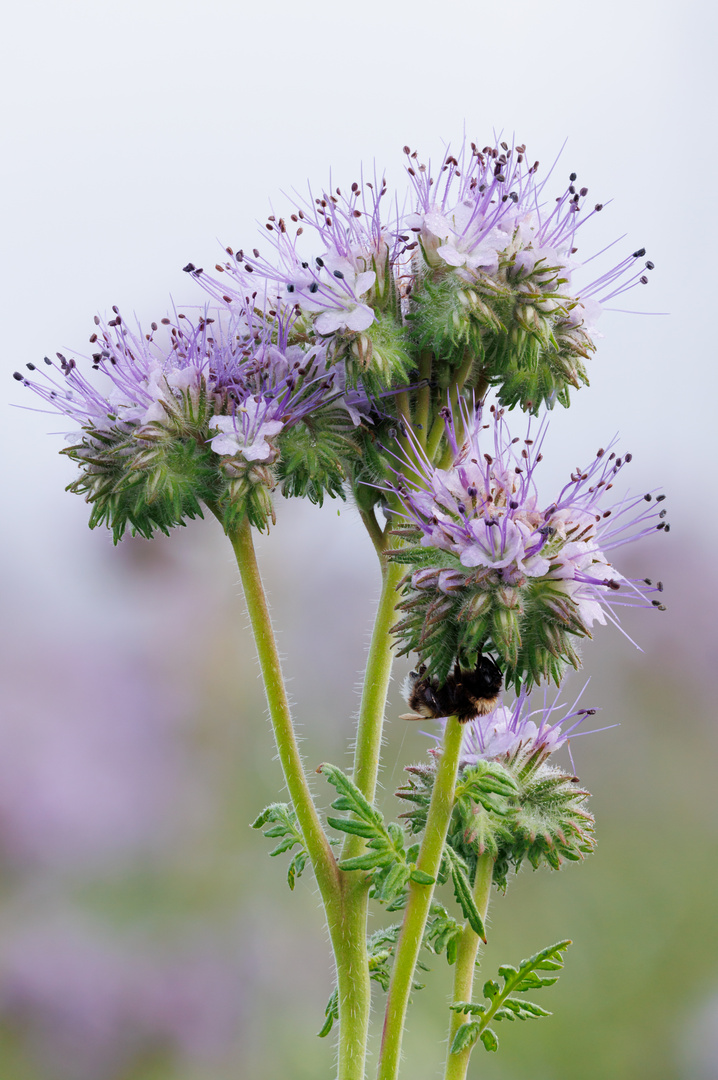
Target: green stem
<point x="457" y="1064"/>
<point x="419" y="902"/>
<point x="353" y="982"/>
<point x="423" y="397"/>
<point x="320" y="852"/>
<point x="455" y="393"/>
<point x="376" y="535"/>
<point x="373" y="700"/>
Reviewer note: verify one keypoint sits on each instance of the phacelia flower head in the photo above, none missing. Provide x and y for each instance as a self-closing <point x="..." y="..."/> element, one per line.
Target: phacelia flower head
<point x="166" y="421"/>
<point x="496" y="569"/>
<point x="511" y="802"/>
<point x="498" y="274"/>
<point x="335" y="265"/>
<point x="521" y="732"/>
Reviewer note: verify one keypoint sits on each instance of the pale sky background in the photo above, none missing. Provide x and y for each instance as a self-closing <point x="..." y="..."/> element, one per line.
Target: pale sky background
<point x="138" y="136"/>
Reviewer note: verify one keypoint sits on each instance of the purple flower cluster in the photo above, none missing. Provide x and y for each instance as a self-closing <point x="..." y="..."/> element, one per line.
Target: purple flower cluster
<point x="520" y="730"/>
<point x="484" y="510"/>
<point x="241" y="379"/>
<point x="487" y="208"/>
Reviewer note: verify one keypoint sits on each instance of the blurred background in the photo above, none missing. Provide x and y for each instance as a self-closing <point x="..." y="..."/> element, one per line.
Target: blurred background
<point x="144" y="934"/>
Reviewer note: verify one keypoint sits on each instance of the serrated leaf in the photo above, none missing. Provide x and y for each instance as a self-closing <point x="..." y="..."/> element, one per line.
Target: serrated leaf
<point x="284" y="824"/>
<point x="351" y="825"/>
<point x="331" y="1013"/>
<point x="463" y="891"/>
<point x="421" y="877"/>
<point x="369" y="861"/>
<point x="490" y="1039"/>
<point x="473" y="1008"/>
<point x="525" y="1009"/>
<point x="286" y="845"/>
<point x="465" y="1037"/>
<point x="296" y="868"/>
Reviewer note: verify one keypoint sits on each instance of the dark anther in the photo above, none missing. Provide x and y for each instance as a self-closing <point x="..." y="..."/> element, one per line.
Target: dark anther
<point x="583" y="192"/>
<point x="305" y="266"/>
<point x="572" y="177"/>
<point x="668" y="528"/>
<point x="290" y="288"/>
<point x="514" y="505"/>
<point x="313" y="287"/>
<point x="659" y="586"/>
<point x="647" y="497"/>
<point x="660" y="498"/>
<point x="650" y="265"/>
<point x="663" y="513"/>
<point x="461" y="508"/>
<point x="18" y="376"/>
<point x="639" y="254"/>
<point x="319" y="262"/>
<point x="47" y="360"/>
<point x="30" y="367"/>
<point x="598" y="206"/>
<point x="471" y="491"/>
<point x="647" y="581"/>
<point x="643" y="279"/>
<point x="188" y="268"/>
<point x="600" y="453"/>
<point x="339" y="274"/>
<point x="628" y="457"/>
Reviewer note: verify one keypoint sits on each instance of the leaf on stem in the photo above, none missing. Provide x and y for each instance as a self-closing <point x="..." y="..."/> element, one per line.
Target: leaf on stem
<point x="285" y="828"/>
<point x="501" y="1004"/>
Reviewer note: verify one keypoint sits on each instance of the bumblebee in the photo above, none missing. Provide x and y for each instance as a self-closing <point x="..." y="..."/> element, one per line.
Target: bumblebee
<point x="465" y="694"/>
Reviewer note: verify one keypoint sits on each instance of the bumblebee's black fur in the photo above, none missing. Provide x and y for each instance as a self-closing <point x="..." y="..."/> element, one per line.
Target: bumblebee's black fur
<point x="465" y="694"/>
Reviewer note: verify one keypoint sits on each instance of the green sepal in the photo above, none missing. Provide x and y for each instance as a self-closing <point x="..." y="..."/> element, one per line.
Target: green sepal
<point x="378" y="356"/>
<point x="316" y="455"/>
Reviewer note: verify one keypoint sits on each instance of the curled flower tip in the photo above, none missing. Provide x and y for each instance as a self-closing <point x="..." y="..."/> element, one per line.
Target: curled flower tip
<point x="496" y="569"/>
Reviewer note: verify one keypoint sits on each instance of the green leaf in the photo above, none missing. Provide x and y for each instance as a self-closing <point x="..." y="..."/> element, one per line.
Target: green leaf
<point x="465" y="1037"/>
<point x="463" y="891"/>
<point x="474" y="1009"/>
<point x="490" y="1039"/>
<point x="284" y="825"/>
<point x="421" y="878"/>
<point x="349" y="825"/>
<point x="331" y="1013"/>
<point x="501" y="1005"/>
<point x="296" y="868"/>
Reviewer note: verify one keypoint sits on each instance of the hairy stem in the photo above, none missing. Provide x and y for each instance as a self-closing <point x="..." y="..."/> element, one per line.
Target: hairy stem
<point x="320" y="852"/>
<point x="373" y="699"/>
<point x="423" y="397"/>
<point x="457" y="1064"/>
<point x="455" y="394"/>
<point x="419" y="902"/>
<point x="353" y="983"/>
